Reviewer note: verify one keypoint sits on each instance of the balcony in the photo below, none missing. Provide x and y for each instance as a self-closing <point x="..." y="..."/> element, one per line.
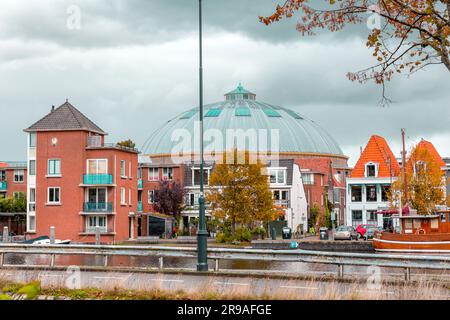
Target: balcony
<point x="139" y="183"/>
<point x="97" y="179"/>
<point x="97" y="207"/>
<point x="140" y="206"/>
<point x="282" y="203"/>
<point x="3" y="186"/>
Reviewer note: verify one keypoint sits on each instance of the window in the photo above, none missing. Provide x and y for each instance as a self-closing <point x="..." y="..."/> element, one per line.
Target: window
<point x="443" y="217"/>
<point x="32" y="200"/>
<point x="434" y="223"/>
<point x="281" y="197"/>
<point x="419" y="167"/>
<point x="356" y="193"/>
<point x="97" y="166"/>
<point x="371" y="193"/>
<point x="408" y="223"/>
<point x="122" y="196"/>
<point x="308" y="178"/>
<point x="356" y="218"/>
<point x="167" y="173"/>
<point x="96" y="195"/>
<point x="31" y="223"/>
<point x="153" y="174"/>
<point x="151" y="196"/>
<point x="371" y="170"/>
<point x="32" y="167"/>
<point x="54" y="195"/>
<point x="277" y="176"/>
<point x="2" y="175"/>
<point x="129" y="197"/>
<point x="129" y="170"/>
<point x="196" y="177"/>
<point x="33" y="140"/>
<point x="385" y="190"/>
<point x="94" y="222"/>
<point x="122" y="169"/>
<point x="139" y="173"/>
<point x="371" y="216"/>
<point x="191" y="200"/>
<point x="19" y="175"/>
<point x="54" y="167"/>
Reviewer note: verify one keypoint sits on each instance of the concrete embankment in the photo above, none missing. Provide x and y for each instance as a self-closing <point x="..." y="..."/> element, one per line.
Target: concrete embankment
<point x="315" y="245"/>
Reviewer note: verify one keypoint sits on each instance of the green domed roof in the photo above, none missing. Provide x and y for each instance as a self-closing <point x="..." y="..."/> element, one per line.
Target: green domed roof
<point x="240" y="110"/>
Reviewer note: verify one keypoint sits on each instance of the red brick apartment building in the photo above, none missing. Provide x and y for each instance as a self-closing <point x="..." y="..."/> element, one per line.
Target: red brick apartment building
<point x="77" y="182"/>
<point x="13" y="183"/>
<point x="151" y="223"/>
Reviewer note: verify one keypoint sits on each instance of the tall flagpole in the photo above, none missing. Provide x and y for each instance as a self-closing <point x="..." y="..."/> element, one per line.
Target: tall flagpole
<point x="202" y="234"/>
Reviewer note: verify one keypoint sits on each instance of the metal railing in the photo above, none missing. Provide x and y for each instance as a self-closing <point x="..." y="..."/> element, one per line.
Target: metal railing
<point x="405" y="262"/>
<point x="140" y="207"/>
<point x="92" y="179"/>
<point x="97" y="207"/>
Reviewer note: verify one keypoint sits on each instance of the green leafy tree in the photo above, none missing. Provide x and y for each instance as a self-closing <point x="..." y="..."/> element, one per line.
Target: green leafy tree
<point x="127" y="144"/>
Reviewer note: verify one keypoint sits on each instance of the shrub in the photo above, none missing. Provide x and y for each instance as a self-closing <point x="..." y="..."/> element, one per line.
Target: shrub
<point x="243" y="234"/>
<point x="258" y="232"/>
<point x="224" y="237"/>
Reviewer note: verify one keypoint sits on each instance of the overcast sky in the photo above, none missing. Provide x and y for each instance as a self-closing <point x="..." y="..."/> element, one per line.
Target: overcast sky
<point x="132" y="65"/>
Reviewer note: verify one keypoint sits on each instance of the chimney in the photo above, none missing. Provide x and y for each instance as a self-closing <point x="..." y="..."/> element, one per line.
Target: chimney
<point x="360" y="150"/>
<point x="53" y="108"/>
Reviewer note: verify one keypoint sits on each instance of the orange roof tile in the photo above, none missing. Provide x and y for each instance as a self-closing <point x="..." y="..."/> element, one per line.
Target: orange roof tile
<point x="429" y="147"/>
<point x="377" y="150"/>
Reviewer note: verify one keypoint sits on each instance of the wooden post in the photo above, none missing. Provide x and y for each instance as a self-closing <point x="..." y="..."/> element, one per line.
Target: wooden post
<point x="5" y="234"/>
<point x="161" y="263"/>
<point x="105" y="262"/>
<point x="52" y="260"/>
<point x="52" y="235"/>
<point x="216" y="266"/>
<point x="341" y="271"/>
<point x="407" y="274"/>
<point x="1" y="259"/>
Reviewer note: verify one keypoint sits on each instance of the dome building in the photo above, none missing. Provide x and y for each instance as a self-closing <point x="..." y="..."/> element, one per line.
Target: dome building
<point x="298" y="136"/>
<point x="306" y="165"/>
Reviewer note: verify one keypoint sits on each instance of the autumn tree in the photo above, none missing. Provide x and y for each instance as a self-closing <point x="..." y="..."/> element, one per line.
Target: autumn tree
<point x="425" y="183"/>
<point x="240" y="193"/>
<point x="405" y="35"/>
<point x="168" y="198"/>
<point x="127" y="144"/>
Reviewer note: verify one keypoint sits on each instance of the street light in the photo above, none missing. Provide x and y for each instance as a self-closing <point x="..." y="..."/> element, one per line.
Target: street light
<point x="202" y="257"/>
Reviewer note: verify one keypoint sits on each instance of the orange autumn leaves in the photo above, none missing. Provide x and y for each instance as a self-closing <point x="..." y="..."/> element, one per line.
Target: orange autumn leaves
<point x="411" y="34"/>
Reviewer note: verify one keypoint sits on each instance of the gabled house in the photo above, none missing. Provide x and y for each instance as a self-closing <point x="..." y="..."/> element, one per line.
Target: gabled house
<point x="370" y="182"/>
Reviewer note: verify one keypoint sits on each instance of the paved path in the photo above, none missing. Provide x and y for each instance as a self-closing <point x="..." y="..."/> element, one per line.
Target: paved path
<point x="244" y="284"/>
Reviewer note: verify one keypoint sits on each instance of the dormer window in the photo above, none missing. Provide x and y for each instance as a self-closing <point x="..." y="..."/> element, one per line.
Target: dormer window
<point x="371" y="170"/>
<point x="419" y="166"/>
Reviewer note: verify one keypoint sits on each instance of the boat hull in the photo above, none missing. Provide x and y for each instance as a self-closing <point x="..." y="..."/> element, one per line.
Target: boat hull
<point x="388" y="242"/>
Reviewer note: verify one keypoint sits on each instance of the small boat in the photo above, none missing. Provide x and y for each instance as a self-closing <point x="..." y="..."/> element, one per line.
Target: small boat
<point x="44" y="240"/>
<point x="418" y="233"/>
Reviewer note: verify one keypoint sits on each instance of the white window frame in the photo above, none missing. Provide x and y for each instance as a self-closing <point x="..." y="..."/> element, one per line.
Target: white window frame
<point x="122" y="196"/>
<point x="59" y="195"/>
<point x="32" y="200"/>
<point x="30" y="140"/>
<point x="129" y="170"/>
<point x="308" y="181"/>
<point x="96" y="166"/>
<point x="54" y="174"/>
<point x="165" y="176"/>
<point x="91" y="228"/>
<point x="277" y="171"/>
<point x="151" y="199"/>
<point x="123" y="169"/>
<point x="20" y="173"/>
<point x="366" y="171"/>
<point x="32" y="172"/>
<point x="152" y="177"/>
<point x="208" y="170"/>
<point x="129" y="197"/>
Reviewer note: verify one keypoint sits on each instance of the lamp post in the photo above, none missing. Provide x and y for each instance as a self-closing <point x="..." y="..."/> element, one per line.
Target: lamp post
<point x="202" y="257"/>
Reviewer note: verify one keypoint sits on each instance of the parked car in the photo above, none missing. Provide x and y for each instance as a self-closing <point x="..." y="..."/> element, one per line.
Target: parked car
<point x="370" y="232"/>
<point x="361" y="230"/>
<point x="345" y="233"/>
